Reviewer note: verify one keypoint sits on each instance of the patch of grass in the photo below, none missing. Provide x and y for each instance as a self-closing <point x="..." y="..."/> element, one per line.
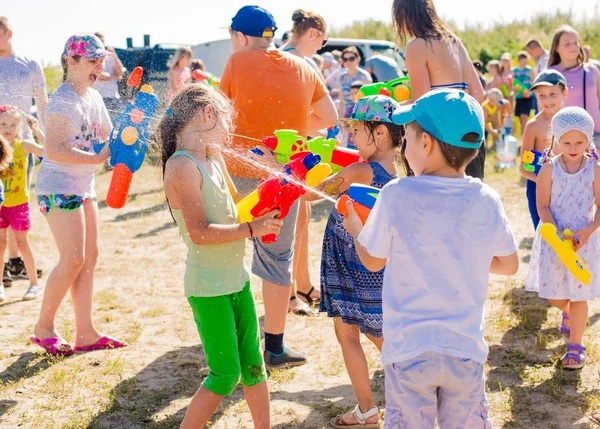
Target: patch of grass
<point x="106" y="300"/>
<point x="152" y="312"/>
<point x="134" y="330"/>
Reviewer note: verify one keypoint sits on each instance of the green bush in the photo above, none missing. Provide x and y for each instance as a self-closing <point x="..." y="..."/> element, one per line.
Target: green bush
<point x="54" y="77"/>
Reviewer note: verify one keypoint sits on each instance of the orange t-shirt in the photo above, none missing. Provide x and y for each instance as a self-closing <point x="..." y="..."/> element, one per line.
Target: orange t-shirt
<point x="270" y="90"/>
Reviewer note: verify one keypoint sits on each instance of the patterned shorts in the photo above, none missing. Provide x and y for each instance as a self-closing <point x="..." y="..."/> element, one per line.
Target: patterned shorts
<point x="64" y="203"/>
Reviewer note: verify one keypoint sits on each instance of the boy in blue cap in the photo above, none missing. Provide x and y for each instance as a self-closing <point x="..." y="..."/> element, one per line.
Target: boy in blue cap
<point x="270" y="90"/>
<point x="436" y="233"/>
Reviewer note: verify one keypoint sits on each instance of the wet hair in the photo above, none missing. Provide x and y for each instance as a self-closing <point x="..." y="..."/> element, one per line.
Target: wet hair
<point x="4" y="24"/>
<point x="304" y="21"/>
<point x="554" y="58"/>
<point x="197" y="65"/>
<point x="419" y="19"/>
<point x="179" y="54"/>
<point x="456" y="157"/>
<point x="522" y="55"/>
<point x="6" y="152"/>
<point x="65" y="65"/>
<point x="184" y="106"/>
<point x="396" y="131"/>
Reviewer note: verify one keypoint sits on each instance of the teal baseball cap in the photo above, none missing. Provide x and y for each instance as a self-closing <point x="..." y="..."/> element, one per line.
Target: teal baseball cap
<point x="447" y="114"/>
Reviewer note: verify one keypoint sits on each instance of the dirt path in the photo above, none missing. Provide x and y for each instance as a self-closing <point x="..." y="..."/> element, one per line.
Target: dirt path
<point x="139" y="297"/>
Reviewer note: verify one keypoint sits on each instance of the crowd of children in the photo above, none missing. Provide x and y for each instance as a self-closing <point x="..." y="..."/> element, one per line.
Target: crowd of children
<point x="413" y="278"/>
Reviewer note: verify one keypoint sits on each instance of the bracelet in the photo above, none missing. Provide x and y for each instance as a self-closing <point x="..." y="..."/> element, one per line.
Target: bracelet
<point x="251" y="232"/>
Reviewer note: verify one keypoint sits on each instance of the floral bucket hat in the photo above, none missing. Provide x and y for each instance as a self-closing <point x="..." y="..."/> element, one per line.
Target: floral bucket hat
<point x="378" y="108"/>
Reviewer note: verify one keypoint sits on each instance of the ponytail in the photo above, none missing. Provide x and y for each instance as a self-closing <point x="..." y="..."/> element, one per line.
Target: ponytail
<point x="65" y="65"/>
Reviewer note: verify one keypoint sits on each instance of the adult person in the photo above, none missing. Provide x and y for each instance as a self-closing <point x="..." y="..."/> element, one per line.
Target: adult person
<point x="107" y="83"/>
<point x="331" y="71"/>
<point x="437" y="58"/>
<point x="352" y="72"/>
<point x="583" y="80"/>
<point x="308" y="35"/>
<point x="21" y="80"/>
<point x="587" y="52"/>
<point x="261" y="80"/>
<point x="382" y="68"/>
<point x="539" y="54"/>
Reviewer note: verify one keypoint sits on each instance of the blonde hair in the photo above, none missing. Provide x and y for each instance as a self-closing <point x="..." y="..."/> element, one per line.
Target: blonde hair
<point x="6" y="152"/>
<point x="4" y="24"/>
<point x="495" y="94"/>
<point x="179" y="54"/>
<point x="554" y="58"/>
<point x="304" y="21"/>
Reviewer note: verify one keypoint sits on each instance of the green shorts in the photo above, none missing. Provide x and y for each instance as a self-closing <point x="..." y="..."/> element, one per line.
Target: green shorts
<point x="229" y="331"/>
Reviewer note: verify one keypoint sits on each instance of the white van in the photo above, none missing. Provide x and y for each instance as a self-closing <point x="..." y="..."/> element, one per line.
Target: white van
<point x="216" y="53"/>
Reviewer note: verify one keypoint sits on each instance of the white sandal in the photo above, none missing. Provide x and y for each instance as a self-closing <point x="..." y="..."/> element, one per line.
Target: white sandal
<point x="339" y="422"/>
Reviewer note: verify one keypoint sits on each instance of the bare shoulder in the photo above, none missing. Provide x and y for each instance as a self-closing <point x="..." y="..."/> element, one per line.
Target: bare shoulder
<point x="415" y="46"/>
<point x="181" y="167"/>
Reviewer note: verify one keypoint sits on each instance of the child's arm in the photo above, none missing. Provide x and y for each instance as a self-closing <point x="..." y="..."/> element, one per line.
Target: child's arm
<point x="183" y="183"/>
<point x="528" y="144"/>
<point x="584" y="233"/>
<point x="544" y="186"/>
<point x="505" y="265"/>
<point x="354" y="226"/>
<point x="34" y="148"/>
<point x="57" y="127"/>
<point x="416" y="65"/>
<point x="359" y="172"/>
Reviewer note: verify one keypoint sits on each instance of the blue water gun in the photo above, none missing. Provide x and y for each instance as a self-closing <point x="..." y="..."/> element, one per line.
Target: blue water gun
<point x="363" y="199"/>
<point x="129" y="140"/>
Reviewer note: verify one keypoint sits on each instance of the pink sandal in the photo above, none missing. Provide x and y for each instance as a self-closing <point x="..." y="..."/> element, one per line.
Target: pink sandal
<point x="51" y="345"/>
<point x="103" y="343"/>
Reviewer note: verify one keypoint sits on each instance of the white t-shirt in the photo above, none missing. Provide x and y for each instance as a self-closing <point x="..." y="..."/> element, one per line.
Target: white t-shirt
<point x="542" y="63"/>
<point x="440" y="236"/>
<point x="19" y="77"/>
<point x="87" y="115"/>
<point x="108" y="88"/>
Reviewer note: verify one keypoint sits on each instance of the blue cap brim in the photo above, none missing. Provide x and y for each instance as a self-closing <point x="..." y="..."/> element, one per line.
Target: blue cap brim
<point x="403" y="115"/>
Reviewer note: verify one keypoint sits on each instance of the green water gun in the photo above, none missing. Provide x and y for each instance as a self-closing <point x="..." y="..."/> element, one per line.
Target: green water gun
<point x="398" y="89"/>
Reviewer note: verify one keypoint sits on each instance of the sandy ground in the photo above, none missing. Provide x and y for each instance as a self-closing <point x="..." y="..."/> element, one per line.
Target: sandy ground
<point x="139" y="297"/>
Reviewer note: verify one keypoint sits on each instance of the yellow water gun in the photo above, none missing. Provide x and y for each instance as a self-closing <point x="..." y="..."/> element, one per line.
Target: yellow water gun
<point x="565" y="251"/>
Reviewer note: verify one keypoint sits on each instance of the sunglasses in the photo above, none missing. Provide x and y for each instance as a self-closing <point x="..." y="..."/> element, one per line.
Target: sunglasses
<point x="348" y="59"/>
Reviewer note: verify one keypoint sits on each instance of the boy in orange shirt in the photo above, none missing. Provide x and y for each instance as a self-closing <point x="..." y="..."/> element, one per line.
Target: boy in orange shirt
<point x="270" y="90"/>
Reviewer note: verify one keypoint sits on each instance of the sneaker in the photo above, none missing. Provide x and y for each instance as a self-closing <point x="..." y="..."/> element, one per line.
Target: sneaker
<point x="287" y="359"/>
<point x="6" y="277"/>
<point x="2" y="296"/>
<point x="33" y="292"/>
<point x="16" y="268"/>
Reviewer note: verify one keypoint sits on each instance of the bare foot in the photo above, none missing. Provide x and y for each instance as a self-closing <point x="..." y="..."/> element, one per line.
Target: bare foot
<point x="300" y="308"/>
<point x="349" y="419"/>
<point x="42" y="334"/>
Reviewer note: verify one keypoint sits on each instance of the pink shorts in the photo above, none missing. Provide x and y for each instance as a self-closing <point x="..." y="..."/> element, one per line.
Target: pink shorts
<point x="16" y="217"/>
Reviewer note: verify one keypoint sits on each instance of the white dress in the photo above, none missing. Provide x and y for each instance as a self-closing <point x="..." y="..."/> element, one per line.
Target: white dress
<point x="572" y="204"/>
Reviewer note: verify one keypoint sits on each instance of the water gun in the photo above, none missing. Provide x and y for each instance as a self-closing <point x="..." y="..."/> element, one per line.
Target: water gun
<point x="566" y="253"/>
<point x="532" y="161"/>
<point x="286" y="143"/>
<point x="129" y="140"/>
<point x="398" y="89"/>
<point x="520" y="88"/>
<point x="280" y="193"/>
<point x="363" y="199"/>
<point x="207" y="77"/>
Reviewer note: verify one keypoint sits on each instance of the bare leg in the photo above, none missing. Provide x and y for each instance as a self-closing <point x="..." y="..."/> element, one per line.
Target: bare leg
<point x="358" y="370"/>
<point x="579" y="317"/>
<point x="13" y="250"/>
<point x="563" y="305"/>
<point x="523" y="119"/>
<point x="276" y="299"/>
<point x="257" y="398"/>
<point x="25" y="250"/>
<point x="3" y="244"/>
<point x="68" y="229"/>
<point x="203" y="406"/>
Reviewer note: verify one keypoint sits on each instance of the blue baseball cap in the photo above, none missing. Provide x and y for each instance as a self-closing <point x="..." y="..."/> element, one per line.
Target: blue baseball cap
<point x="549" y="77"/>
<point x="254" y="21"/>
<point x="447" y="114"/>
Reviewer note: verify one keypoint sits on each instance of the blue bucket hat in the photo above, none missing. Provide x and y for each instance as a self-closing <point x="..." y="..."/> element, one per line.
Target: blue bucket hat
<point x="254" y="21"/>
<point x="447" y="114"/>
<point x="378" y="108"/>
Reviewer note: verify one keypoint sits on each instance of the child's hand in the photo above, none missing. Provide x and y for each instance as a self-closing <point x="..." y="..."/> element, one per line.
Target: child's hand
<point x="267" y="224"/>
<point x="580" y="238"/>
<point x="353" y="224"/>
<point x="104" y="153"/>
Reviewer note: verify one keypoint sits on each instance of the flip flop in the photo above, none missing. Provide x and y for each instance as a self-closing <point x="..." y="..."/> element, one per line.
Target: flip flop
<point x="103" y="343"/>
<point x="51" y="345"/>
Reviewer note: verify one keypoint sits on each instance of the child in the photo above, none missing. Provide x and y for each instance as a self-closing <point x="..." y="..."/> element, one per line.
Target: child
<point x="523" y="102"/>
<point x="550" y="88"/>
<point x="15" y="209"/>
<point x="197" y="186"/>
<point x="76" y="120"/>
<point x="439" y="233"/>
<point x="179" y="72"/>
<point x="5" y="156"/>
<point x="497" y="115"/>
<point x="568" y="195"/>
<point x="350" y="293"/>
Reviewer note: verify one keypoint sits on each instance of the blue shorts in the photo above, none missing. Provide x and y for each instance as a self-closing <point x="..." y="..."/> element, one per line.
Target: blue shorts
<point x="434" y="385"/>
<point x="532" y="203"/>
<point x="273" y="262"/>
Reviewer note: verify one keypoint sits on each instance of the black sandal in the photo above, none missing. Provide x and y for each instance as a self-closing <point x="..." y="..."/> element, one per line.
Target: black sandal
<point x="301" y="311"/>
<point x="309" y="299"/>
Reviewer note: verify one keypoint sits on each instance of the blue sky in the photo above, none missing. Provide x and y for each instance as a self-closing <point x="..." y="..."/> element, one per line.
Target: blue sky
<point x="41" y="27"/>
